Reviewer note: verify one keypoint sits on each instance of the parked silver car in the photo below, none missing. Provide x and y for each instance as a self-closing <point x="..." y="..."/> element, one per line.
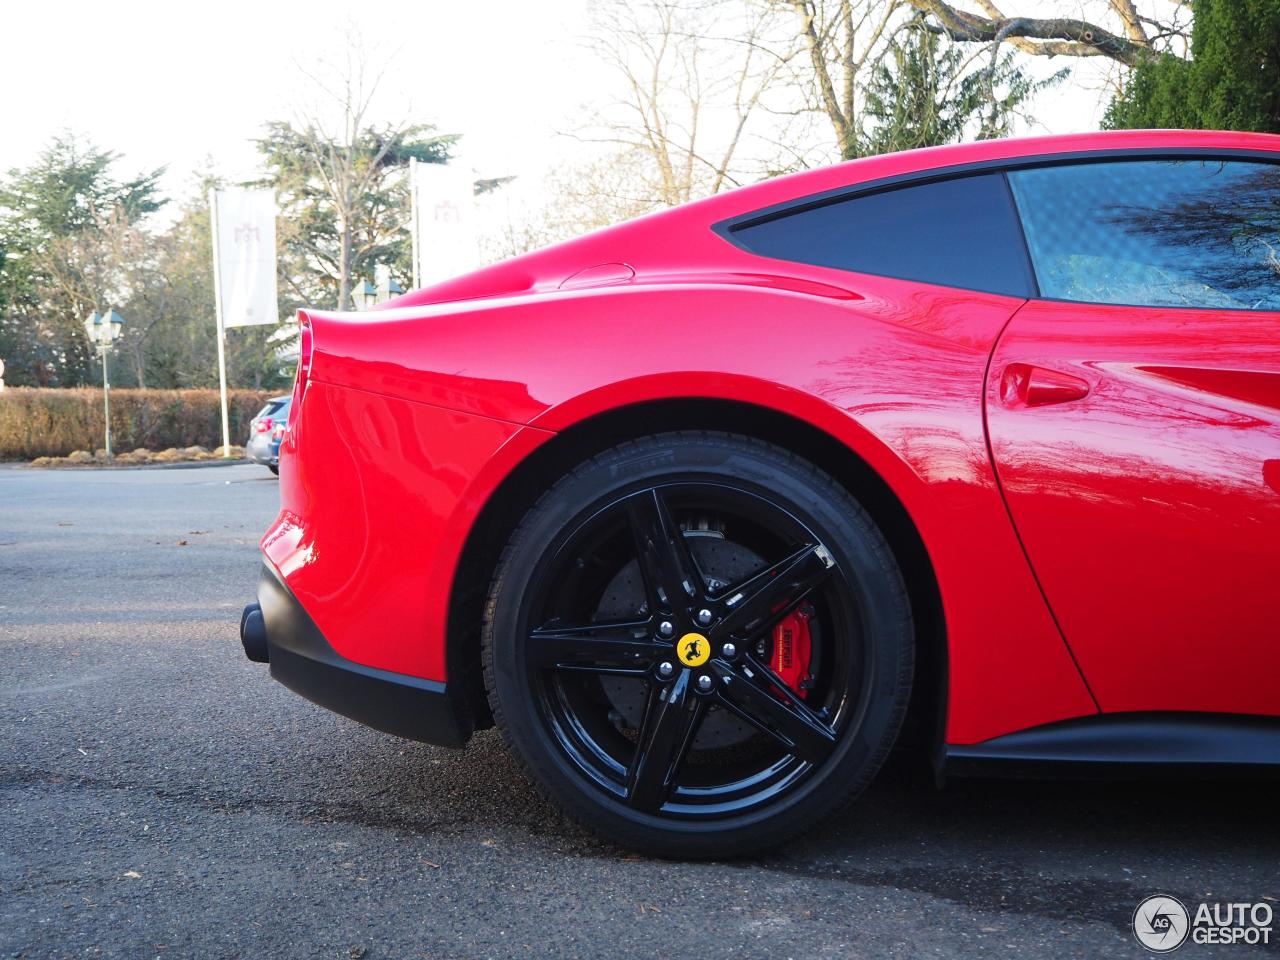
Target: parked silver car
<point x="266" y="430"/>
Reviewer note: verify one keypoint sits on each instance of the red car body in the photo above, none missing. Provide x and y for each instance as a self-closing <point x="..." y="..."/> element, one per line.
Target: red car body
<point x="1091" y="493"/>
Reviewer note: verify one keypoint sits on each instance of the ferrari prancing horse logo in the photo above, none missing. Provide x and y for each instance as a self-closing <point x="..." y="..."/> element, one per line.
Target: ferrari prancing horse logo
<point x="693" y="649"/>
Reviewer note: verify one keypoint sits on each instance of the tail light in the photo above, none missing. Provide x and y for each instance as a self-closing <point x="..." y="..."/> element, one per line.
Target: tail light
<point x="278" y="433"/>
<point x="304" y="368"/>
<point x="262" y="425"/>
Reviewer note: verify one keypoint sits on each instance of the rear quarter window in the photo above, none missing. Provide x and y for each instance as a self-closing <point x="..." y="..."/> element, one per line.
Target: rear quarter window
<point x="960" y="232"/>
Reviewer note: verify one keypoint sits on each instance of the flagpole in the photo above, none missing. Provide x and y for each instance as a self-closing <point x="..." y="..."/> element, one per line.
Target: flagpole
<point x="217" y="304"/>
<point x="413" y="216"/>
<point x="106" y="396"/>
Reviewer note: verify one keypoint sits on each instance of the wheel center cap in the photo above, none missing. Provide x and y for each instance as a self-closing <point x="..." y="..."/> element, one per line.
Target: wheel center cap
<point x="693" y="649"/>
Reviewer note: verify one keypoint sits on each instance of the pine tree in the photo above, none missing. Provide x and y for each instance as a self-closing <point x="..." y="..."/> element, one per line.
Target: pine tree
<point x="344" y="203"/>
<point x="927" y="91"/>
<point x="1231" y="82"/>
<point x="49" y="213"/>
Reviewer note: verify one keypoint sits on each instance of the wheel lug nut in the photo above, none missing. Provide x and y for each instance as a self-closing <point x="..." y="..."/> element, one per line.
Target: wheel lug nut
<point x="705" y="683"/>
<point x="665" y="669"/>
<point x="666" y="628"/>
<point x="704" y="617"/>
<point x="729" y="650"/>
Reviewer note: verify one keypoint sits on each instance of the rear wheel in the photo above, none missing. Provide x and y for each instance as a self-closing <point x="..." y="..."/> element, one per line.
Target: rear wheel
<point x="698" y="644"/>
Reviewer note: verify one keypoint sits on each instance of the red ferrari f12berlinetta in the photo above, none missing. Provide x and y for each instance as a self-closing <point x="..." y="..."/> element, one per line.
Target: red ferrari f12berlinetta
<point x="974" y="449"/>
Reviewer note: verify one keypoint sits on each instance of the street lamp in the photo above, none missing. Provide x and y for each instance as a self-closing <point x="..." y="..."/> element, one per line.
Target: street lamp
<point x="386" y="287"/>
<point x="365" y="295"/>
<point x="103" y="330"/>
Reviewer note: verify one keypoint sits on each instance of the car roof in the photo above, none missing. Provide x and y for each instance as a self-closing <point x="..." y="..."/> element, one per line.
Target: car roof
<point x="867" y="169"/>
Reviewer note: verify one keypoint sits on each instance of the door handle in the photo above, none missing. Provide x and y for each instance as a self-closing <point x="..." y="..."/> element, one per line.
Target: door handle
<point x="1033" y="386"/>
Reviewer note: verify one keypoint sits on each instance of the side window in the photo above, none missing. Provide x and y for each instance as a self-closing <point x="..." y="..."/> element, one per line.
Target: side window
<point x="961" y="232"/>
<point x="1165" y="233"/>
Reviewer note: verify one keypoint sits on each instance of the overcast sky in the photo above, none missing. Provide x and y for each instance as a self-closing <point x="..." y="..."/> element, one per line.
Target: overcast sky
<point x="173" y="82"/>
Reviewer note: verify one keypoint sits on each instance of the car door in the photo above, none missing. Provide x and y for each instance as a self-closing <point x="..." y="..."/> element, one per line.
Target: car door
<point x="1133" y="411"/>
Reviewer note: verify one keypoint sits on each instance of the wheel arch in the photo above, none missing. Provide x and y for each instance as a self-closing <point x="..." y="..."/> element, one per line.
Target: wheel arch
<point x="519" y="490"/>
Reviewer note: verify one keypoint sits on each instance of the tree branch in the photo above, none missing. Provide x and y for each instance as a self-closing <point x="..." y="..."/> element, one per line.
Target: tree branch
<point x="1128" y="15"/>
<point x="1063" y="36"/>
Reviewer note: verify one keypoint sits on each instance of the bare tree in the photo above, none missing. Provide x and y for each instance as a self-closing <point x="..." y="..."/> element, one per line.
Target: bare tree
<point x="573" y="198"/>
<point x="849" y="42"/>
<point x="691" y="78"/>
<point x="843" y="41"/>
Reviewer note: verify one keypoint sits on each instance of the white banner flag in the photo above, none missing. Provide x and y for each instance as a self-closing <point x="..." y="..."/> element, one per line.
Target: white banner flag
<point x="444" y="213"/>
<point x="244" y="237"/>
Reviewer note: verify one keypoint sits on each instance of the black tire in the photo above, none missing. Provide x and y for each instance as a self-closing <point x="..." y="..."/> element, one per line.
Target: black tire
<point x="575" y="631"/>
<point x="274" y="468"/>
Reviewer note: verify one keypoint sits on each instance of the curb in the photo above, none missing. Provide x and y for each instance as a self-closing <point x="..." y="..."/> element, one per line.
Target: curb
<point x="179" y="465"/>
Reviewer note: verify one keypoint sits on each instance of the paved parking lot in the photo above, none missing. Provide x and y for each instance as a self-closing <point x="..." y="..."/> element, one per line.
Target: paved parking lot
<point x="160" y="796"/>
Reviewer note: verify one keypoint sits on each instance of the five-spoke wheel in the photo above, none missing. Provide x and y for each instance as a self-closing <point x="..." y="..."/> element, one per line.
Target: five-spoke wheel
<point x="698" y="652"/>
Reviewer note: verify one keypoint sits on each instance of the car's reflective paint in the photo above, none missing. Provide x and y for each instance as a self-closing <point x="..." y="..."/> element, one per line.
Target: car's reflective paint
<point x="378" y="495"/>
<point x="414" y="416"/>
<point x="1145" y="506"/>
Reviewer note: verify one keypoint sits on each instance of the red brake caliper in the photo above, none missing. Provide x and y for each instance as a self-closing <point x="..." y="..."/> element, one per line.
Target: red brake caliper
<point x="791" y="650"/>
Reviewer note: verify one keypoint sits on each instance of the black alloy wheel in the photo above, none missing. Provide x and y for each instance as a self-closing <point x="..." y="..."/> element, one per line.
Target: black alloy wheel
<point x="698" y="644"/>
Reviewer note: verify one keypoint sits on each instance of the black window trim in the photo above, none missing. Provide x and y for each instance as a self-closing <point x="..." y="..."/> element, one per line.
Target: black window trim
<point x="728" y="228"/>
<point x="1028" y="265"/>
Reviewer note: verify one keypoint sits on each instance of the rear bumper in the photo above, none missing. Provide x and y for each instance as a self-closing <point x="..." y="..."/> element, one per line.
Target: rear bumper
<point x="302" y="659"/>
<point x="263" y="451"/>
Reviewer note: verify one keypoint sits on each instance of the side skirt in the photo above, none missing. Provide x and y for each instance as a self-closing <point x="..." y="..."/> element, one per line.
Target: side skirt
<point x="1127" y="746"/>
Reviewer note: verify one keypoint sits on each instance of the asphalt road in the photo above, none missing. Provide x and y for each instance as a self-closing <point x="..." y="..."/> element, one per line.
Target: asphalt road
<point x="160" y="796"/>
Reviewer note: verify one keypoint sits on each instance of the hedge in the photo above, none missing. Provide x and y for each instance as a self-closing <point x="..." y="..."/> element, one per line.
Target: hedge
<point x="53" y="423"/>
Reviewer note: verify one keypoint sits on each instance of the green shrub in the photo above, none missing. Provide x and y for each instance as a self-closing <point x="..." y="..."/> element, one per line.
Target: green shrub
<point x="53" y="423"/>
